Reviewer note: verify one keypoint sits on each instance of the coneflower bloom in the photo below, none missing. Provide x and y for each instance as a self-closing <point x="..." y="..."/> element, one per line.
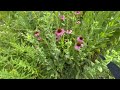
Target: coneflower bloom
<point x="80" y="39"/>
<point x="68" y="31"/>
<point x="37" y="34"/>
<point x="62" y="18"/>
<point x="77" y="12"/>
<point x="78" y="46"/>
<point x="59" y="32"/>
<point x="78" y="22"/>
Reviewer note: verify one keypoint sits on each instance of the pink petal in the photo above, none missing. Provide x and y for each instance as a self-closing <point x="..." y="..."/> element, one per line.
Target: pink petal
<point x="78" y="39"/>
<point x="77" y="47"/>
<point x="61" y="33"/>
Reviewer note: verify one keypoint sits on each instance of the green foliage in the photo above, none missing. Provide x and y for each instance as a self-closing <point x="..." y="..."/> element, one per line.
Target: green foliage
<point x="22" y="55"/>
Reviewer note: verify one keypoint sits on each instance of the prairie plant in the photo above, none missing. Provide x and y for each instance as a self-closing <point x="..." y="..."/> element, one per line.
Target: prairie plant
<point x="58" y="44"/>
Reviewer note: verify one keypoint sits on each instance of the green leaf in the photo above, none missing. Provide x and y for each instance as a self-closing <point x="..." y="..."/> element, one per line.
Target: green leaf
<point x="100" y="68"/>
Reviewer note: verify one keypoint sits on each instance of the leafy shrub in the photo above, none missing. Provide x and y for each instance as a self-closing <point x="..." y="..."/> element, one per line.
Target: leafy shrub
<point x="26" y="55"/>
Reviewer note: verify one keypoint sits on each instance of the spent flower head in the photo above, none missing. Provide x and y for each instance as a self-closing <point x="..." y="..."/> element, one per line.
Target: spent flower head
<point x="36" y="34"/>
<point x="62" y="17"/>
<point x="78" y="22"/>
<point x="77" y="12"/>
<point x="68" y="31"/>
<point x="39" y="39"/>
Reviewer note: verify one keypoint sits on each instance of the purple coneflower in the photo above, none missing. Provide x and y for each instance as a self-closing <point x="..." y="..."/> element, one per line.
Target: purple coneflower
<point x="78" y="46"/>
<point x="77" y="12"/>
<point x="80" y="39"/>
<point x="68" y="31"/>
<point x="59" y="32"/>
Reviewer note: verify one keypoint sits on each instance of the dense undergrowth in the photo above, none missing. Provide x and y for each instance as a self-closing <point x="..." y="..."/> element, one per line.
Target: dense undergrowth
<point x="44" y="44"/>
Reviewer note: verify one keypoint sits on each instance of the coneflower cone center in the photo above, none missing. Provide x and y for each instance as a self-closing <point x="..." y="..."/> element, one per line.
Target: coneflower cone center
<point x="59" y="31"/>
<point x="78" y="44"/>
<point x="81" y="38"/>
